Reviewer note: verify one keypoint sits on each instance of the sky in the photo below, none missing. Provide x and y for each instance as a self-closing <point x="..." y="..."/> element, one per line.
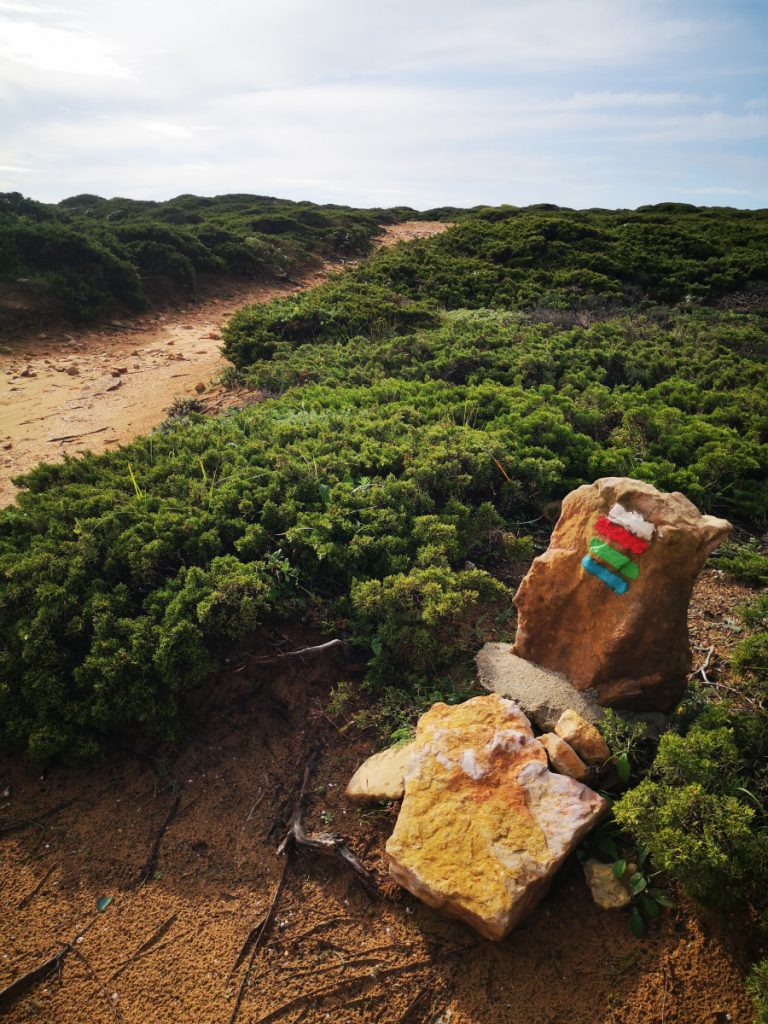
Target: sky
<point x="583" y="103"/>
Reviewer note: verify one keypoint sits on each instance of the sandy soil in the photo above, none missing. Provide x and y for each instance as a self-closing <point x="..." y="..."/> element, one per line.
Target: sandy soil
<point x="64" y="393"/>
<point x="184" y="841"/>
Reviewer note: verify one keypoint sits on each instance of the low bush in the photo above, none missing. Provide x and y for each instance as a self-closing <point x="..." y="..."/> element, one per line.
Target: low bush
<point x="93" y="255"/>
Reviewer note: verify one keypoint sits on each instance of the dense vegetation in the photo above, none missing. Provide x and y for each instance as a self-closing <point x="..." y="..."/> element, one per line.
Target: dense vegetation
<point x="403" y="440"/>
<point x="86" y="255"/>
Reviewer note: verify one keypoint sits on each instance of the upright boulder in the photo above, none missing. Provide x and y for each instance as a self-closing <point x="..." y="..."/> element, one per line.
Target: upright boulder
<point x="607" y="603"/>
<point x="484" y="824"/>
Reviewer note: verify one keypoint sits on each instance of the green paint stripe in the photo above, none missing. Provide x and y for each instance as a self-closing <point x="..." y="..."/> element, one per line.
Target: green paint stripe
<point x="622" y="563"/>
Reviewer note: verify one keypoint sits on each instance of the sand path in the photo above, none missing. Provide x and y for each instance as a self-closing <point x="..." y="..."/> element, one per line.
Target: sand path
<point x="70" y="392"/>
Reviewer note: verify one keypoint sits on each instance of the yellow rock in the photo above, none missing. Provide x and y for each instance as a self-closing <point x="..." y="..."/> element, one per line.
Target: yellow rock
<point x="484" y="824"/>
<point x="563" y="757"/>
<point x="607" y="892"/>
<point x="380" y="777"/>
<point x="583" y="737"/>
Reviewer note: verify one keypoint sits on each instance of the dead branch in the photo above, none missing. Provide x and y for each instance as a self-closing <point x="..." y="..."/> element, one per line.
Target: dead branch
<point x="702" y="669"/>
<point x="332" y="990"/>
<point x="74" y="437"/>
<point x="321" y="926"/>
<point x="415" y="1004"/>
<point x="326" y="843"/>
<point x="26" y="900"/>
<point x="269" y="660"/>
<point x="145" y="946"/>
<point x="89" y="966"/>
<point x="146" y="872"/>
<point x="22" y="985"/>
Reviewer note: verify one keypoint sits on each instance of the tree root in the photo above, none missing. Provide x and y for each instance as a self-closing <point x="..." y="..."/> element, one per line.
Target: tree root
<point x="322" y="842"/>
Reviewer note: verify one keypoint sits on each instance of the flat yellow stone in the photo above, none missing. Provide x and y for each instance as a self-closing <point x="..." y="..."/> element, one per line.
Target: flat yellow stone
<point x="380" y="777"/>
<point x="484" y="824"/>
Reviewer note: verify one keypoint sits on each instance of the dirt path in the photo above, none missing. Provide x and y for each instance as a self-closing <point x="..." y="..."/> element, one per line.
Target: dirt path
<point x="207" y="816"/>
<point x="93" y="390"/>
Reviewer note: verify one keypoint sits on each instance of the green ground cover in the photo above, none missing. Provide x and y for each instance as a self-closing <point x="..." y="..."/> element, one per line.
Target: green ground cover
<point x="90" y="256"/>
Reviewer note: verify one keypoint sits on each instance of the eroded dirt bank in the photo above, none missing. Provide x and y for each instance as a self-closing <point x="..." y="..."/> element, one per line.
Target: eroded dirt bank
<point x="66" y="392"/>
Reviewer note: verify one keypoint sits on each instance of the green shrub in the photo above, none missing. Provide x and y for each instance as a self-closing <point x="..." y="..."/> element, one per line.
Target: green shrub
<point x="757" y="987"/>
<point x="747" y="562"/>
<point x="420" y="620"/>
<point x="703" y="840"/>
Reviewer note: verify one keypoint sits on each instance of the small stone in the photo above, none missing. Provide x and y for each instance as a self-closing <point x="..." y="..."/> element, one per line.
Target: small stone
<point x="114" y="373"/>
<point x="27" y="372"/>
<point x="380" y="777"/>
<point x="212" y="336"/>
<point x="608" y="892"/>
<point x="583" y="737"/>
<point x="73" y="371"/>
<point x="200" y="388"/>
<point x="563" y="757"/>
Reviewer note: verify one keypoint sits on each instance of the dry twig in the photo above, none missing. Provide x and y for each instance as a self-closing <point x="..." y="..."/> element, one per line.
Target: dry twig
<point x="256" y="939"/>
<point x="26" y="900"/>
<point x="146" y="872"/>
<point x="22" y="985"/>
<point x="322" y="842"/>
<point x="298" y="654"/>
<point x="89" y="966"/>
<point x="145" y="946"/>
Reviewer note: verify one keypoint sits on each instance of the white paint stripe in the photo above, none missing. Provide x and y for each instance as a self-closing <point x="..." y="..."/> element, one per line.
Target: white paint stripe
<point x="632" y="521"/>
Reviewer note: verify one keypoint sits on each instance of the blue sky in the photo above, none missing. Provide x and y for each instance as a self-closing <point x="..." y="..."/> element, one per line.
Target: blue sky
<point x="610" y="103"/>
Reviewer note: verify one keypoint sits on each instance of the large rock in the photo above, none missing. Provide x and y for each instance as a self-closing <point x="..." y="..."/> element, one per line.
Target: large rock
<point x="607" y="603"/>
<point x="380" y="777"/>
<point x="484" y="824"/>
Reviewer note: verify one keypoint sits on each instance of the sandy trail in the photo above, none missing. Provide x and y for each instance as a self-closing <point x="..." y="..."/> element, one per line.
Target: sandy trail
<point x="66" y="393"/>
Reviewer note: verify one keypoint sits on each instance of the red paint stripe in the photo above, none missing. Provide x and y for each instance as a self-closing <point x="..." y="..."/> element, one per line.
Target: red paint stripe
<point x="614" y="532"/>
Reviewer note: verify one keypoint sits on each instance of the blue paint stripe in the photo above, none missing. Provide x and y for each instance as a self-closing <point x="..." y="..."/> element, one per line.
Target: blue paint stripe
<point x="616" y="583"/>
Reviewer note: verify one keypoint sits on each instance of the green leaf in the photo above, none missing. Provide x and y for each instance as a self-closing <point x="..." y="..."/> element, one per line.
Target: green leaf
<point x="103" y="902"/>
<point x="623" y="768"/>
<point x="619" y="867"/>
<point x="607" y="846"/>
<point x="661" y="897"/>
<point x="637" y="883"/>
<point x="642" y="856"/>
<point x="650" y="906"/>
<point x="636" y="923"/>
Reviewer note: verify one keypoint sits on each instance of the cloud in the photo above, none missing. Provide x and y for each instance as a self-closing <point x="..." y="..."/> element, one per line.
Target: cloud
<point x="58" y="49"/>
<point x="423" y="102"/>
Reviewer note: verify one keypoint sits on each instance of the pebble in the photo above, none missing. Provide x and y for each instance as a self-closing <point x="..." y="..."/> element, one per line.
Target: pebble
<point x="73" y="371"/>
